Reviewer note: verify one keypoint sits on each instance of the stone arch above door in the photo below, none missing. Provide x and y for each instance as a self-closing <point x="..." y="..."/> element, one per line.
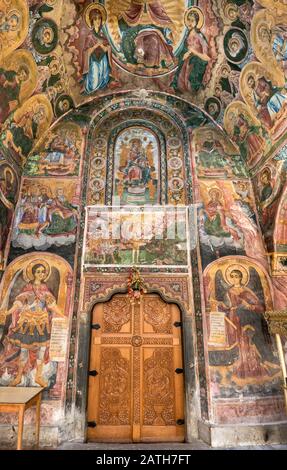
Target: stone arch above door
<point x="100" y="288"/>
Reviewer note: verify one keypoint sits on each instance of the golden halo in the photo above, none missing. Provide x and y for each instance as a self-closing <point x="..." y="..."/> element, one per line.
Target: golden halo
<point x="224" y="66"/>
<point x="250" y="75"/>
<point x="55" y="63"/>
<point x="200" y="14"/>
<point x="29" y="276"/>
<point x="213" y="190"/>
<point x="8" y="170"/>
<point x="270" y="20"/>
<point x="49" y="30"/>
<point x="234" y="41"/>
<point x="94" y="6"/>
<point x="48" y="189"/>
<point x="18" y="14"/>
<point x="14" y="12"/>
<point x="232" y="113"/>
<point x="229" y="9"/>
<point x="40" y="108"/>
<point x="261" y="27"/>
<point x="237" y="267"/>
<point x="266" y="170"/>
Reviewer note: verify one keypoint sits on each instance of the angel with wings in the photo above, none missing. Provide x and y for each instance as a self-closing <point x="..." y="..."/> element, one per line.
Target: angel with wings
<point x="238" y="293"/>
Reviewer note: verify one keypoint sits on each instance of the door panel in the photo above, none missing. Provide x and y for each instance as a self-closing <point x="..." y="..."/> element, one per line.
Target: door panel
<point x="137" y="395"/>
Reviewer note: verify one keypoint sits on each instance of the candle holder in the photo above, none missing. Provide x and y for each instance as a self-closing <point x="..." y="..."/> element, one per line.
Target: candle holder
<point x="136" y="286"/>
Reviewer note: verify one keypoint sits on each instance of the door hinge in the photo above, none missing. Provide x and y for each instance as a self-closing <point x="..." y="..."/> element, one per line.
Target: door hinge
<point x="93" y="373"/>
<point x="96" y="326"/>
<point x="177" y="324"/>
<point x="178" y="371"/>
<point x="92" y="424"/>
<point x="180" y="422"/>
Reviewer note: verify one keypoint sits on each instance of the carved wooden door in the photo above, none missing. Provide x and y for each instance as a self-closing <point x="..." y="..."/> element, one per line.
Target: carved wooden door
<point x="136" y="372"/>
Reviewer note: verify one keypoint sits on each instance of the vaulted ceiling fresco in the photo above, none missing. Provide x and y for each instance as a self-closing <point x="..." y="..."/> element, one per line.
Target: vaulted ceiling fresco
<point x="167" y="104"/>
<point x="226" y="56"/>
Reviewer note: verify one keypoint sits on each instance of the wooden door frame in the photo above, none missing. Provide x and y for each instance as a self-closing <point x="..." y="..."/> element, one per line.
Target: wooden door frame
<point x="188" y="357"/>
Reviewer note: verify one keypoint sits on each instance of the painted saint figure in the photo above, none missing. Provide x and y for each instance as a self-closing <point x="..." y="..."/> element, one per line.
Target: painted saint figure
<point x="267" y="187"/>
<point x="96" y="60"/>
<point x="10" y="87"/>
<point x="43" y="219"/>
<point x="280" y="232"/>
<point x="61" y="215"/>
<point x="194" y="57"/>
<point x="147" y="34"/>
<point x="279" y="45"/>
<point x="7" y="202"/>
<point x="252" y="355"/>
<point x="24" y="130"/>
<point x="276" y="36"/>
<point x="60" y="156"/>
<point x="28" y="337"/>
<point x="214" y="160"/>
<point x="267" y="99"/>
<point x="10" y="29"/>
<point x="249" y="139"/>
<point x="137" y="169"/>
<point x="217" y="228"/>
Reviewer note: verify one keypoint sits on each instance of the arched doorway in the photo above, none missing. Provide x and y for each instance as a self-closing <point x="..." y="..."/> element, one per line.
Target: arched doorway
<point x="136" y="381"/>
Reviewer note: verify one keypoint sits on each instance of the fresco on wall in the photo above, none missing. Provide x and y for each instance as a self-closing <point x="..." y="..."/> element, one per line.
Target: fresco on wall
<point x="278" y="6"/>
<point x="215" y="156"/>
<point x="227" y="58"/>
<point x="237" y="13"/>
<point x="202" y="49"/>
<point x="266" y="98"/>
<point x="279" y="267"/>
<point x="136" y="173"/>
<point x="227" y="84"/>
<point x="103" y="40"/>
<point x="235" y="45"/>
<point x="150" y="237"/>
<point x="227" y="222"/>
<point x="280" y="229"/>
<point x="146" y="37"/>
<point x="194" y="57"/>
<point x="252" y="139"/>
<point x="213" y="107"/>
<point x="29" y="123"/>
<point x="8" y="198"/>
<point x="268" y="35"/>
<point x="14" y="21"/>
<point x="162" y="175"/>
<point x="269" y="184"/>
<point x="58" y="154"/>
<point x="92" y="51"/>
<point x="34" y="310"/>
<point x="157" y="40"/>
<point x="18" y="79"/>
<point x="241" y="354"/>
<point x="46" y="214"/>
<point x="45" y="36"/>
